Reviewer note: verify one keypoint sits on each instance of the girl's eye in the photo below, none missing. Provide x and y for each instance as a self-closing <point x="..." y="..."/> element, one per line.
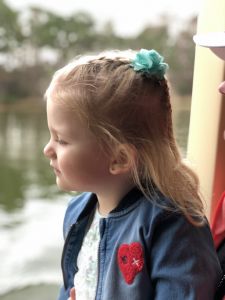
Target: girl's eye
<point x="61" y="142"/>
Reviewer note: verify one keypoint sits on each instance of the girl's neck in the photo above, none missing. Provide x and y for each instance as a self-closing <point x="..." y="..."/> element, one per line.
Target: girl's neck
<point x="110" y="199"/>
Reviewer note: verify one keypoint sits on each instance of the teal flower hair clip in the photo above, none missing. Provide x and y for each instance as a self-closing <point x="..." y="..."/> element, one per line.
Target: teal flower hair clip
<point x="150" y="63"/>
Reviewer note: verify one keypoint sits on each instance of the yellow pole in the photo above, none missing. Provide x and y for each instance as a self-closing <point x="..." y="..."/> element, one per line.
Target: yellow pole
<point x="206" y="132"/>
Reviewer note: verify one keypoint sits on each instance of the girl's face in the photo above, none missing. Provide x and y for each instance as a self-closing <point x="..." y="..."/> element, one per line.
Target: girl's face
<point x="75" y="156"/>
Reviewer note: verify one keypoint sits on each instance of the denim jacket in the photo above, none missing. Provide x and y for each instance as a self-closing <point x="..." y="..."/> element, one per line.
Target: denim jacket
<point x="145" y="252"/>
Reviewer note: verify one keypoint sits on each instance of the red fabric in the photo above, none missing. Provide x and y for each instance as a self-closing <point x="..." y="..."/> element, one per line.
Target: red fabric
<point x="130" y="260"/>
<point x="218" y="222"/>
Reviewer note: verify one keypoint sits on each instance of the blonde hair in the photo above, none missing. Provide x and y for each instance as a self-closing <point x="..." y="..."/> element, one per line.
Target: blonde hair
<point x="122" y="106"/>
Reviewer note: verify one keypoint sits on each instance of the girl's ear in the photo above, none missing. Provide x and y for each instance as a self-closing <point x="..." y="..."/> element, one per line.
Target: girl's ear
<point x="122" y="160"/>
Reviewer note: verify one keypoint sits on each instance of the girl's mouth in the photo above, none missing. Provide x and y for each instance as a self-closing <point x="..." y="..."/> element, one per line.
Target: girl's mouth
<point x="57" y="172"/>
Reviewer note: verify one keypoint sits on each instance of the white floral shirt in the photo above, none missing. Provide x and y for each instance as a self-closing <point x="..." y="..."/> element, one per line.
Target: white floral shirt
<point x="85" y="280"/>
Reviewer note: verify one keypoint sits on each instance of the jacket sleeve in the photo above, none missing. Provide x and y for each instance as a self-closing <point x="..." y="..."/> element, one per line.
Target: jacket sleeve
<point x="184" y="263"/>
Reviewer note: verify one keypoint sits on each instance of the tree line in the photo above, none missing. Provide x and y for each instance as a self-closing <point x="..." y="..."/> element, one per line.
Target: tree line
<point x="35" y="42"/>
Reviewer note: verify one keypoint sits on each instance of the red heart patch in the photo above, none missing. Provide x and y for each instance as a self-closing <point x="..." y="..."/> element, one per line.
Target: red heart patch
<point x="130" y="260"/>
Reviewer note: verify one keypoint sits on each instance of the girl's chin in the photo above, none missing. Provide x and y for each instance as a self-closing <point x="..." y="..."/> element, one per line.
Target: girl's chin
<point x="63" y="186"/>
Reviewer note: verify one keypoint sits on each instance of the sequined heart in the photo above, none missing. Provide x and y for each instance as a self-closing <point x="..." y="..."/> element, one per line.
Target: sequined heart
<point x="130" y="260"/>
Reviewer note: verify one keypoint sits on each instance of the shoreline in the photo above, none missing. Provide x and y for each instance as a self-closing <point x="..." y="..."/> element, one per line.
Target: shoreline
<point x="37" y="105"/>
<point x="24" y="106"/>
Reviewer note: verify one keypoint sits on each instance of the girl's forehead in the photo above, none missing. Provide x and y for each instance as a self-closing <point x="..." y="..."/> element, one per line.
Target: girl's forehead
<point x="60" y="110"/>
<point x="66" y="125"/>
<point x="60" y="115"/>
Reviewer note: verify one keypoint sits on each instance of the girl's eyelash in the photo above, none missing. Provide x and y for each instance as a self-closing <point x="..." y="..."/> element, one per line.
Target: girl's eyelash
<point x="61" y="142"/>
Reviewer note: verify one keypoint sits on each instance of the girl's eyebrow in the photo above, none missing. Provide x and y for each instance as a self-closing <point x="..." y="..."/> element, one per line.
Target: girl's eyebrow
<point x="52" y="130"/>
<point x="59" y="133"/>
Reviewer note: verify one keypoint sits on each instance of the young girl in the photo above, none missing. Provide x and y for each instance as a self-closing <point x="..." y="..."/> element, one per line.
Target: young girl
<point x="138" y="232"/>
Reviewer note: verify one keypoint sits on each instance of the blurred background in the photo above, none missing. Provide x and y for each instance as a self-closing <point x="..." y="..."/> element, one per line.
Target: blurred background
<point x="36" y="38"/>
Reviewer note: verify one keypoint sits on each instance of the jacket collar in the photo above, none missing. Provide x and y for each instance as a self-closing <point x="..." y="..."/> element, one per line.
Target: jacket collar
<point x="127" y="201"/>
<point x="126" y="204"/>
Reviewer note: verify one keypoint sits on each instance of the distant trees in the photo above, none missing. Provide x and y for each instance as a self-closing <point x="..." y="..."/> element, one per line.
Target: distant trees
<point x="35" y="42"/>
<point x="182" y="58"/>
<point x="10" y="34"/>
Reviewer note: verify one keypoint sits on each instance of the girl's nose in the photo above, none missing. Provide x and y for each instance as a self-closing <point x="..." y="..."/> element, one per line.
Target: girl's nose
<point x="49" y="151"/>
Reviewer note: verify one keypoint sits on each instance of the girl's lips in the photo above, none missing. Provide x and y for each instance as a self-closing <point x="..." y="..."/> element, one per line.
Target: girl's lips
<point x="55" y="169"/>
<point x="57" y="172"/>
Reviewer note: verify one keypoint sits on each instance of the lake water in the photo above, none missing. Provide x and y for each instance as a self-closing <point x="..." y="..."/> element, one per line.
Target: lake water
<point x="32" y="208"/>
